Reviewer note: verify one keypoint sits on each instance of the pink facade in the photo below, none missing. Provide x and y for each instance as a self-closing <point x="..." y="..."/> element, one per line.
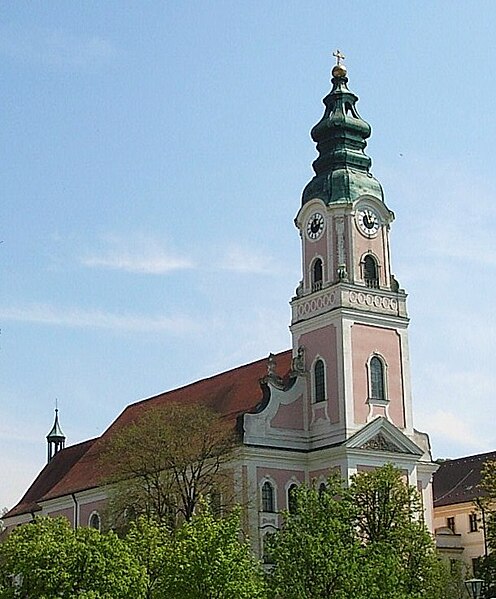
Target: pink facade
<point x="282" y="478"/>
<point x="87" y="509"/>
<point x="322" y="343"/>
<point x="385" y="343"/>
<point x="290" y="416"/>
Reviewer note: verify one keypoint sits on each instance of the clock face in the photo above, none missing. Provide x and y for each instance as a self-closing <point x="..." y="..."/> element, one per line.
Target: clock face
<point x="368" y="221"/>
<point x="315" y="225"/>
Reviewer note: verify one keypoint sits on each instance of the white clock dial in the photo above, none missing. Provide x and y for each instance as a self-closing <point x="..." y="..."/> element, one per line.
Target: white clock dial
<point x="315" y="225"/>
<point x="368" y="221"/>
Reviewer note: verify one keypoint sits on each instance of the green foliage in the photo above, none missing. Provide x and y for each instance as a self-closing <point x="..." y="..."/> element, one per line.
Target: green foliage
<point x="316" y="554"/>
<point x="203" y="559"/>
<point x="153" y="545"/>
<point x="486" y="569"/>
<point x="212" y="562"/>
<point x="363" y="541"/>
<point x="46" y="559"/>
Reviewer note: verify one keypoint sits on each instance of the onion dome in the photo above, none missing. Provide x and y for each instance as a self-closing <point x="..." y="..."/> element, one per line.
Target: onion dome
<point x="342" y="167"/>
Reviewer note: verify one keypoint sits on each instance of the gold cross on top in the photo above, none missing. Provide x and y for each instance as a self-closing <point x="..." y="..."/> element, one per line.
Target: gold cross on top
<point x="339" y="57"/>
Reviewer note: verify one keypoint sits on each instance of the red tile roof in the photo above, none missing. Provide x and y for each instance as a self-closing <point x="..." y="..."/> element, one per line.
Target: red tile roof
<point x="230" y="393"/>
<point x="56" y="469"/>
<point x="457" y="481"/>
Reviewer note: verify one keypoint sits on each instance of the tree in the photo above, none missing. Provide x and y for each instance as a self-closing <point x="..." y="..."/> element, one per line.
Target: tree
<point x="363" y="541"/>
<point x="47" y="558"/>
<point x="487" y="501"/>
<point x="203" y="558"/>
<point x="153" y="545"/>
<point x="316" y="553"/>
<point x="397" y="546"/>
<point x="160" y="465"/>
<point x="211" y="561"/>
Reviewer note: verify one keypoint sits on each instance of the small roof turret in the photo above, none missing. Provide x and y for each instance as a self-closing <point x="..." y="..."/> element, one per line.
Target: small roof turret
<point x="55" y="438"/>
<point x="342" y="167"/>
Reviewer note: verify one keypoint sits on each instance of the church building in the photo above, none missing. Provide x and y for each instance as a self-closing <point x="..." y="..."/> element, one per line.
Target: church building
<point x="339" y="400"/>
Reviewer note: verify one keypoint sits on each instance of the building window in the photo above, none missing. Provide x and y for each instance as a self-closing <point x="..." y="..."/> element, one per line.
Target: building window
<point x="292" y="501"/>
<point x="472" y="523"/>
<point x="94" y="521"/>
<point x="317" y="275"/>
<point x="267" y="497"/>
<point x="377" y="386"/>
<point x="322" y="488"/>
<point x="450" y="523"/>
<point x="370" y="273"/>
<point x="319" y="381"/>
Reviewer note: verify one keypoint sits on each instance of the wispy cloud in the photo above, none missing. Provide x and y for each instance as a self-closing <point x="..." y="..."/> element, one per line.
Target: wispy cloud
<point x="43" y="314"/>
<point x="242" y="260"/>
<point x="453" y="429"/>
<point x="137" y="254"/>
<point x="54" y="47"/>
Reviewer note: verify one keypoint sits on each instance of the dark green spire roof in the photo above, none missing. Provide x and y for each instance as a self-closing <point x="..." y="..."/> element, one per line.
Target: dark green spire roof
<point x="56" y="433"/>
<point x="342" y="167"/>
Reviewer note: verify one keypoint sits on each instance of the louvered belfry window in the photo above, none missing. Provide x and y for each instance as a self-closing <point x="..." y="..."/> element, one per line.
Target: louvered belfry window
<point x="317" y="275"/>
<point x="370" y="272"/>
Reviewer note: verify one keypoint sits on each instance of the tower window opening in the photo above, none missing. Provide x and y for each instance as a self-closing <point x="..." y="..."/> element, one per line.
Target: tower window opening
<point x="377" y="387"/>
<point x="370" y="272"/>
<point x="319" y="381"/>
<point x="317" y="275"/>
<point x="268" y="497"/>
<point x="349" y="110"/>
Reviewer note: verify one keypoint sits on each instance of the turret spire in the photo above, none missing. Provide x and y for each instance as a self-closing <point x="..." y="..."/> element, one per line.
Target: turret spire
<point x="55" y="438"/>
<point x="342" y="167"/>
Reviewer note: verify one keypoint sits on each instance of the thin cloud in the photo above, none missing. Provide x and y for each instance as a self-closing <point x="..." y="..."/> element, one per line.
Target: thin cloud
<point x="452" y="428"/>
<point x="43" y="314"/>
<point x="54" y="47"/>
<point x="137" y="255"/>
<point x="241" y="260"/>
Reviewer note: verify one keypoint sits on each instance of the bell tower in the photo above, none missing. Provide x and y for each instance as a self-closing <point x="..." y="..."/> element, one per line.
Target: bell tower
<point x="349" y="313"/>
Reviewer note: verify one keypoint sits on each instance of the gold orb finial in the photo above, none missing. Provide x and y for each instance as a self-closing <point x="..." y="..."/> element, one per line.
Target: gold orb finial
<point x="339" y="69"/>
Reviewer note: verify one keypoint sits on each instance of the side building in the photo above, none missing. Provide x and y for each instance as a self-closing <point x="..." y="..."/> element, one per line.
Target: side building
<point x="459" y="517"/>
<point x="340" y="399"/>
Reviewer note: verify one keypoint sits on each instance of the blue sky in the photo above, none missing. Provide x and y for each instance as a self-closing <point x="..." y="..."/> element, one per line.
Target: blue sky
<point x="152" y="158"/>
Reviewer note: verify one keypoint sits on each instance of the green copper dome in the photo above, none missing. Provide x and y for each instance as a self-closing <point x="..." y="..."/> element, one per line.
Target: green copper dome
<point x="342" y="167"/>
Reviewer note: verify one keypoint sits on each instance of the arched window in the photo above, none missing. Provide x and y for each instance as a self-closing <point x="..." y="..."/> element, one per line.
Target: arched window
<point x="292" y="502"/>
<point x="370" y="274"/>
<point x="317" y="275"/>
<point x="377" y="387"/>
<point x="319" y="381"/>
<point x="267" y="497"/>
<point x="94" y="521"/>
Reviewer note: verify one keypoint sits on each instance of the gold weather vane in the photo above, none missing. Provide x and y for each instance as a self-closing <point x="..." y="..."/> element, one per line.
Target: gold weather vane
<point x="339" y="57"/>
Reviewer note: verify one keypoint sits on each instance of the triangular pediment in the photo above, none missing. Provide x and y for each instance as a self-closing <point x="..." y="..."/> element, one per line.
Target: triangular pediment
<point x="381" y="435"/>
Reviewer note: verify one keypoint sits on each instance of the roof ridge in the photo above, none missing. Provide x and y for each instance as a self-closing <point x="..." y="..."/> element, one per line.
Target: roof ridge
<point x="207" y="378"/>
<point x="467" y="457"/>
